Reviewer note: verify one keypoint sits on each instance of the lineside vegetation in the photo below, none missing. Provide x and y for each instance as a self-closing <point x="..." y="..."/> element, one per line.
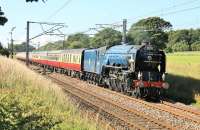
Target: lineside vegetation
<point x="30" y="102"/>
<point x="184" y="76"/>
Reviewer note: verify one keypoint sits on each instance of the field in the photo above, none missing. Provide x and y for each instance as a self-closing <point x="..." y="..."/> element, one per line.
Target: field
<point x="184" y="77"/>
<point x="29" y="101"/>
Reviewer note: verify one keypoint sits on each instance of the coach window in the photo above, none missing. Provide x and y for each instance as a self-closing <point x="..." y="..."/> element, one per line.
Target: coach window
<point x="74" y="59"/>
<point x="65" y="57"/>
<point x="79" y="59"/>
<point x="70" y="58"/>
<point x="66" y="60"/>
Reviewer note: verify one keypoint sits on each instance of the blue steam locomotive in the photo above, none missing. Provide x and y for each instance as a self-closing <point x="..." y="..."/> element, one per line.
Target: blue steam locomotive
<point x="137" y="70"/>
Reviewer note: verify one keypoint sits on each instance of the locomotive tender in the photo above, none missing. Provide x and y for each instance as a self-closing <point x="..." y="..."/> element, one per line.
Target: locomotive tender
<point x="137" y="70"/>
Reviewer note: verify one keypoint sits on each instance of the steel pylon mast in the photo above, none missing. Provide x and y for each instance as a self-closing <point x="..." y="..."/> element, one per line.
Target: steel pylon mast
<point x="54" y="29"/>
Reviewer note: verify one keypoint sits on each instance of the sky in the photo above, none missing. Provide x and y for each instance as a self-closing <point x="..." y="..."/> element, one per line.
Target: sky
<point x="79" y="15"/>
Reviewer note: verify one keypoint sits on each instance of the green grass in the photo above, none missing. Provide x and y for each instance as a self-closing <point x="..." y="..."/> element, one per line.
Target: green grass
<point x="30" y="102"/>
<point x="184" y="76"/>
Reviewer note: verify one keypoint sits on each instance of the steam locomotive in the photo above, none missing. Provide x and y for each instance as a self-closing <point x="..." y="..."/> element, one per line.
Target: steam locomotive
<point x="136" y="70"/>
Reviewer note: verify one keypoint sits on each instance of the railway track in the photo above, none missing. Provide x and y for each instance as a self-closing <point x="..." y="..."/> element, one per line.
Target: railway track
<point x="181" y="114"/>
<point x="182" y="108"/>
<point x="178" y="118"/>
<point x="132" y="118"/>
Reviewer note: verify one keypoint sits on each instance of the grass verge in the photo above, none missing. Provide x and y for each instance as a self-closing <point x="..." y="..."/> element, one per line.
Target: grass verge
<point x="184" y="77"/>
<point x="30" y="102"/>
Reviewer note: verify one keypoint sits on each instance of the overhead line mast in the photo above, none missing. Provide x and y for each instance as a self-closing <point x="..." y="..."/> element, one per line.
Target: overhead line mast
<point x="124" y="31"/>
<point x="50" y="31"/>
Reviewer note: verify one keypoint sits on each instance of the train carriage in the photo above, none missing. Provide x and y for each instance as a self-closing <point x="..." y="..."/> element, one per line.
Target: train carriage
<point x="71" y="59"/>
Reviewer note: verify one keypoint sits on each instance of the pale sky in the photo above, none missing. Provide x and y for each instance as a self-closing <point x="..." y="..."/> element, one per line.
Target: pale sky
<point x="80" y="15"/>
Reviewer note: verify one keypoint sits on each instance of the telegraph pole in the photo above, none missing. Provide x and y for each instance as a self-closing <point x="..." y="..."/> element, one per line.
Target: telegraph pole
<point x="12" y="48"/>
<point x="124" y="31"/>
<point x="27" y="43"/>
<point x="11" y="40"/>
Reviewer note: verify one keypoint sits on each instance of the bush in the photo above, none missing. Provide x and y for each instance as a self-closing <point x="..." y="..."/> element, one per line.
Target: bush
<point x="4" y="51"/>
<point x="168" y="49"/>
<point x="196" y="46"/>
<point x="180" y="46"/>
<point x="30" y="102"/>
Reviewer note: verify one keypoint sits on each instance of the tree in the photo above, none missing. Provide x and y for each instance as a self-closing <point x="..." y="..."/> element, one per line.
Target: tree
<point x="180" y="46"/>
<point x="4" y="51"/>
<point x="194" y="35"/>
<point x="58" y="45"/>
<point x="179" y="36"/>
<point x="3" y="19"/>
<point x="195" y="46"/>
<point x="189" y="36"/>
<point x="151" y="29"/>
<point x="76" y="44"/>
<point x="106" y="37"/>
<point x="78" y="40"/>
<point x="1" y="47"/>
<point x="34" y="0"/>
<point x="22" y="47"/>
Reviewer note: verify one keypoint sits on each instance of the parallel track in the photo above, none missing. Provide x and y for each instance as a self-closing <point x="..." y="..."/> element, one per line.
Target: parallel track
<point x="182" y="108"/>
<point x="133" y="118"/>
<point x="175" y="110"/>
<point x="172" y="109"/>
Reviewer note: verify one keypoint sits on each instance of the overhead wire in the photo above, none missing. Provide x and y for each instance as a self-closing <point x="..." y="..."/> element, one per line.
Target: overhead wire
<point x="59" y="9"/>
<point x="180" y="11"/>
<point x="160" y="10"/>
<point x="153" y="12"/>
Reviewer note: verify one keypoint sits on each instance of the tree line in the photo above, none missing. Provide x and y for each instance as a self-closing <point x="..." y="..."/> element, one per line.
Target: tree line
<point x="155" y="30"/>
